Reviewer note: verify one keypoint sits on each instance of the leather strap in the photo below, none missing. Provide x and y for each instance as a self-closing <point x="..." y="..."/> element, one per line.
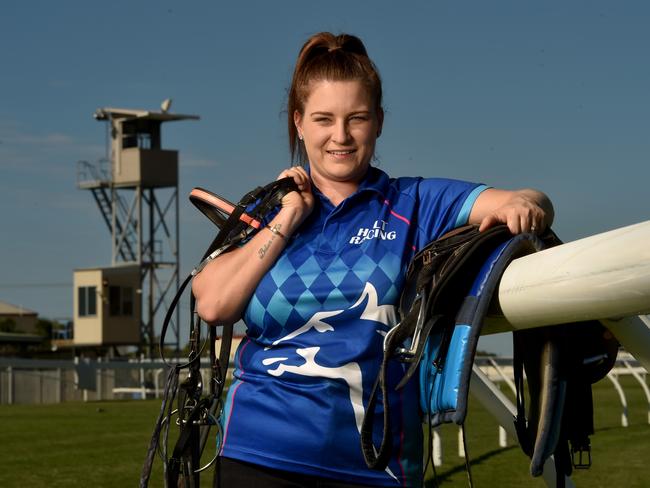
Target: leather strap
<point x="236" y="223"/>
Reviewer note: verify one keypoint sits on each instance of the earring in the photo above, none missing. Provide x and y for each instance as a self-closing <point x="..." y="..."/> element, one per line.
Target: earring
<point x="300" y="137"/>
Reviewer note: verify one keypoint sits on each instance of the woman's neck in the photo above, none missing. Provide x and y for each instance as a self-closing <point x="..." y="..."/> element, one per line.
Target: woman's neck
<point x="335" y="191"/>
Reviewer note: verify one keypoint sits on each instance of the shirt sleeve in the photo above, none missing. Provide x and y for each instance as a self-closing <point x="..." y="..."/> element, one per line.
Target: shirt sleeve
<point x="443" y="205"/>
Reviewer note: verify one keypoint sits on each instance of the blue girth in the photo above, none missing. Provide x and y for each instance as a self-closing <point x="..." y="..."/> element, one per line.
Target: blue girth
<point x="444" y="387"/>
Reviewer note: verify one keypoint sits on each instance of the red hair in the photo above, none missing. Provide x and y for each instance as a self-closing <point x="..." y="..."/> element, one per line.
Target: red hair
<point x="334" y="58"/>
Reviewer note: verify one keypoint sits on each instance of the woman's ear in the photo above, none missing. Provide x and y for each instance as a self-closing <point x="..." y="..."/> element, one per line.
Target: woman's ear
<point x="380" y="120"/>
<point x="297" y="120"/>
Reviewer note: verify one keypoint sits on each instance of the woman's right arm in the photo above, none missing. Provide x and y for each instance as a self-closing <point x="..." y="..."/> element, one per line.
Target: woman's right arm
<point x="224" y="287"/>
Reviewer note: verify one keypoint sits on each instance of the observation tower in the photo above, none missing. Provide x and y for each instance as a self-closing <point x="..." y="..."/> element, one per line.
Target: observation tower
<point x="136" y="190"/>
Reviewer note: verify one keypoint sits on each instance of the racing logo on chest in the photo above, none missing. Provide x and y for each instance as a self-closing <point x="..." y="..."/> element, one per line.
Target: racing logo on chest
<point x="377" y="231"/>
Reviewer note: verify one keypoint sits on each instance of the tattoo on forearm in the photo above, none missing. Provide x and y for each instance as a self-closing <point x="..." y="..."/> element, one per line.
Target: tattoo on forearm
<point x="275" y="231"/>
<point x="262" y="250"/>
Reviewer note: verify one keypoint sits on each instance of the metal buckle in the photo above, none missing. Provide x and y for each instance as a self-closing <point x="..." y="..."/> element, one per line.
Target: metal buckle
<point x="428" y="256"/>
<point x="408" y="355"/>
<point x="577" y="457"/>
<point x="207" y="260"/>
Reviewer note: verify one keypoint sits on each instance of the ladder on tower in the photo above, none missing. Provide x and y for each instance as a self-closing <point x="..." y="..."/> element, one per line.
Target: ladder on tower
<point x="96" y="178"/>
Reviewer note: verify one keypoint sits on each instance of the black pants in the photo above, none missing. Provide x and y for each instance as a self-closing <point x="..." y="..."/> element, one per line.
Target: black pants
<point x="232" y="473"/>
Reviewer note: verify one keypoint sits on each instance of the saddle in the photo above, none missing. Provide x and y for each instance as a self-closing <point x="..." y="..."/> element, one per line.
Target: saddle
<point x="448" y="292"/>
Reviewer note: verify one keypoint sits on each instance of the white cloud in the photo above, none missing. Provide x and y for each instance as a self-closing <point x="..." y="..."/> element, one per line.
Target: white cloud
<point x="26" y="151"/>
<point x="197" y="162"/>
<point x="52" y="139"/>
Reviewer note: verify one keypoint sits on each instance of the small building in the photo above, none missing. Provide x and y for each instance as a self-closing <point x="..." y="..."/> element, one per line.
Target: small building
<point x="24" y="319"/>
<point x="136" y="153"/>
<point x="107" y="306"/>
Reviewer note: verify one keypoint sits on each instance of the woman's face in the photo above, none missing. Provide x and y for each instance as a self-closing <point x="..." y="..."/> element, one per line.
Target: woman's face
<point x="340" y="126"/>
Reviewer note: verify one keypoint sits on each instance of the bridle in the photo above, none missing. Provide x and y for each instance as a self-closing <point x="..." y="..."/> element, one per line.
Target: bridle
<point x="197" y="411"/>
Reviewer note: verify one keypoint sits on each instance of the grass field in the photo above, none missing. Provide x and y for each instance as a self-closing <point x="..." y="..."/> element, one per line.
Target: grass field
<point x="104" y="445"/>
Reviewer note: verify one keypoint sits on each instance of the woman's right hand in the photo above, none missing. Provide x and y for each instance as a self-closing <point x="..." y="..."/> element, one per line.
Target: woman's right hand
<point x="297" y="205"/>
<point x="224" y="287"/>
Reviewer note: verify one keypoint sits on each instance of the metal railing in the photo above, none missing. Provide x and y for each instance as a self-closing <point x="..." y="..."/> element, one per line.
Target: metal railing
<point x="93" y="173"/>
<point x="33" y="381"/>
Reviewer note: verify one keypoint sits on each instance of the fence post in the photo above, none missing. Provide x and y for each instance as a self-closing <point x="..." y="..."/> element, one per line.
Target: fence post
<point x="142" y="383"/>
<point x="157" y="381"/>
<point x="503" y="437"/>
<point x="621" y="395"/>
<point x="99" y="379"/>
<point x="59" y="386"/>
<point x="461" y="444"/>
<point x="644" y="386"/>
<point x="10" y="385"/>
<point x="437" y="448"/>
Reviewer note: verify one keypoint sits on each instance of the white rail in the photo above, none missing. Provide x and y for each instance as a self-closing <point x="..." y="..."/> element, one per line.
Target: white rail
<point x="604" y="275"/>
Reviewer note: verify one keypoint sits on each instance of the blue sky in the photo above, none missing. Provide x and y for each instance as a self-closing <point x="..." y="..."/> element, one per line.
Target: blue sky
<point x="552" y="95"/>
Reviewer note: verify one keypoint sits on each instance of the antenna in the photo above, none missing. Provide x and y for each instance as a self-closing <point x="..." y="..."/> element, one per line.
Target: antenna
<point x="165" y="105"/>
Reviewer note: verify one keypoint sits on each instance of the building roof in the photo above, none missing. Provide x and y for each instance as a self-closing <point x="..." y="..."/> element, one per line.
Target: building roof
<point x="127" y="113"/>
<point x="9" y="309"/>
<point x="12" y="337"/>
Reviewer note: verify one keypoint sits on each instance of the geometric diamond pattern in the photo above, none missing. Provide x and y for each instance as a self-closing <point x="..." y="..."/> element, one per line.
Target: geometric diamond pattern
<point x="279" y="308"/>
<point x="289" y="295"/>
<point x="304" y="271"/>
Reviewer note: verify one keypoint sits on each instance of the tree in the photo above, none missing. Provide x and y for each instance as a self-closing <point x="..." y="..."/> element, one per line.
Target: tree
<point x="7" y="324"/>
<point x="44" y="327"/>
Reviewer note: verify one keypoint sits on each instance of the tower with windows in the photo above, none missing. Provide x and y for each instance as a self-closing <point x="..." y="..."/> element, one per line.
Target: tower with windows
<point x="136" y="190"/>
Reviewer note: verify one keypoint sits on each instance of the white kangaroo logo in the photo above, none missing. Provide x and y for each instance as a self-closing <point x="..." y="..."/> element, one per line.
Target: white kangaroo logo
<point x="350" y="372"/>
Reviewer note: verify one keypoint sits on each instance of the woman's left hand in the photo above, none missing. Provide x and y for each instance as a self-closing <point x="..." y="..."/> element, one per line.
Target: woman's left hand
<point x="521" y="210"/>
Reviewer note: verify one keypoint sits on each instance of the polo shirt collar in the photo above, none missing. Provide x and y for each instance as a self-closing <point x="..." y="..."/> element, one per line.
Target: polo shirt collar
<point x="375" y="180"/>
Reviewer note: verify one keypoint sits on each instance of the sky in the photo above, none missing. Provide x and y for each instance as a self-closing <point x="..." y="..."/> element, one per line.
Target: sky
<point x="551" y="95"/>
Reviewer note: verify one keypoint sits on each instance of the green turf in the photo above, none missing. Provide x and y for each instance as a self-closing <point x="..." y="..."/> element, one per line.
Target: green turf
<point x="104" y="444"/>
<point x="620" y="455"/>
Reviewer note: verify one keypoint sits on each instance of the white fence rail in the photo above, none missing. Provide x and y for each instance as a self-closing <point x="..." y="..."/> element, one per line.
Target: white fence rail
<point x="32" y="381"/>
<point x="53" y="381"/>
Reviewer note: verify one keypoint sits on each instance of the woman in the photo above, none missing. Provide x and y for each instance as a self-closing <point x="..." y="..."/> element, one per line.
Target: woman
<point x="318" y="288"/>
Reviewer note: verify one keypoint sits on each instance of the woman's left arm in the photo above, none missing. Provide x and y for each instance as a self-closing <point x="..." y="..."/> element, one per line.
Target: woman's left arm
<point x="521" y="210"/>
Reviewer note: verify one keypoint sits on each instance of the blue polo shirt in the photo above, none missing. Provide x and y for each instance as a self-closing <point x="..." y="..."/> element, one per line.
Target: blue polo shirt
<point x="315" y="328"/>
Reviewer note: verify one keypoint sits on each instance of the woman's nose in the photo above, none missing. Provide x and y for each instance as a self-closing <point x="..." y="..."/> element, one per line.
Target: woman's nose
<point x="341" y="132"/>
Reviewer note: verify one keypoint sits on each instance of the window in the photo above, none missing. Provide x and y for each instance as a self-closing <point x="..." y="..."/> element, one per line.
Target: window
<point x="143" y="134"/>
<point x="120" y="300"/>
<point x="127" y="300"/>
<point x="87" y="301"/>
<point x="114" y="300"/>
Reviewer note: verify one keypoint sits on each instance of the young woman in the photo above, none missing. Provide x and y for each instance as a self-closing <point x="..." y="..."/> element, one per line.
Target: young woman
<point x="318" y="287"/>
